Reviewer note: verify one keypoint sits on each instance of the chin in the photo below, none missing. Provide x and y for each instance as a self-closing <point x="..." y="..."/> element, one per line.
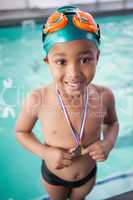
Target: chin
<point x="72" y="93"/>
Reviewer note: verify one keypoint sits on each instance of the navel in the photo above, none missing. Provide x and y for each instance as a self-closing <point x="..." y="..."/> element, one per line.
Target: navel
<point x="77" y="176"/>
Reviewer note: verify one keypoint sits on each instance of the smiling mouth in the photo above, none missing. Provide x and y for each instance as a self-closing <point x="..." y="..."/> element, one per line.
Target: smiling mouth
<point x="74" y="85"/>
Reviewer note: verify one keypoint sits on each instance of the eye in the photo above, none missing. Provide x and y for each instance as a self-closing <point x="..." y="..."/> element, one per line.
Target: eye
<point x="85" y="60"/>
<point x="60" y="62"/>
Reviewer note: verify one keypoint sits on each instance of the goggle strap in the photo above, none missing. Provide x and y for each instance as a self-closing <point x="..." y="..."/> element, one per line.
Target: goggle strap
<point x="69" y="13"/>
<point x="98" y="31"/>
<point x="43" y="34"/>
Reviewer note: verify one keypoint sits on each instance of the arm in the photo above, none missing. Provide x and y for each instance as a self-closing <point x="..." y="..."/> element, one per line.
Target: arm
<point x="25" y="123"/>
<point x="55" y="157"/>
<point x="99" y="150"/>
<point x="110" y="123"/>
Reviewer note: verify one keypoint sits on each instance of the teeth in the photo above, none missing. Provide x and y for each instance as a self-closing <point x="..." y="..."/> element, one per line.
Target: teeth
<point x="74" y="85"/>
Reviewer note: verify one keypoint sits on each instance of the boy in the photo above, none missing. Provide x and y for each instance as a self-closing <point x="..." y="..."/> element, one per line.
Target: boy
<point x="72" y="110"/>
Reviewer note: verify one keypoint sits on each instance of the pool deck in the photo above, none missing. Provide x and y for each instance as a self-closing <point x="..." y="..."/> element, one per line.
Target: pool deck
<point x="126" y="196"/>
<point x="18" y="16"/>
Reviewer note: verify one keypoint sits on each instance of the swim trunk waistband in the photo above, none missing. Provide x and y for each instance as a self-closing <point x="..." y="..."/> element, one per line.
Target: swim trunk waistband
<point x="55" y="180"/>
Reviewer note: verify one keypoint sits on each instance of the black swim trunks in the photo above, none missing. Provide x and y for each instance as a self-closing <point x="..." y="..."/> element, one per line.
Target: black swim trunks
<point x="55" y="180"/>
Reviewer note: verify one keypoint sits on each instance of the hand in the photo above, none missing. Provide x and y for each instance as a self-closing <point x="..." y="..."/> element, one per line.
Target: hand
<point x="57" y="158"/>
<point x="98" y="151"/>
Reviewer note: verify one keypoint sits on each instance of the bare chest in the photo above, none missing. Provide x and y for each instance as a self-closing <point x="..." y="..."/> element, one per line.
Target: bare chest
<point x="57" y="131"/>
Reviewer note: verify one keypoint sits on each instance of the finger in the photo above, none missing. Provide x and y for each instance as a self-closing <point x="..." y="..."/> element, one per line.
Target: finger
<point x="71" y="150"/>
<point x="66" y="162"/>
<point x="67" y="156"/>
<point x="98" y="158"/>
<point x="96" y="153"/>
<point x="88" y="150"/>
<point x="63" y="165"/>
<point x="97" y="149"/>
<point x="60" y="167"/>
<point x="85" y="150"/>
<point x="94" y="146"/>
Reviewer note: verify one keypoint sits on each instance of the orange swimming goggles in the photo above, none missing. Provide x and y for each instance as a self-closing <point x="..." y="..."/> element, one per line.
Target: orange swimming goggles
<point x="80" y="19"/>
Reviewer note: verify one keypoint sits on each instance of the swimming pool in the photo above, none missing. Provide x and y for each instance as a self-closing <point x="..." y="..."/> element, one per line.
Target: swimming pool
<point x="22" y="69"/>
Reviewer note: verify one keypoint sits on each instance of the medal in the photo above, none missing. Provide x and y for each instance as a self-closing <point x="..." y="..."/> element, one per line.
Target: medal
<point x="77" y="136"/>
<point x="77" y="151"/>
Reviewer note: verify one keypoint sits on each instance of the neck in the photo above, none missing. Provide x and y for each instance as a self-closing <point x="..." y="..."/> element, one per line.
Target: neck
<point x="74" y="101"/>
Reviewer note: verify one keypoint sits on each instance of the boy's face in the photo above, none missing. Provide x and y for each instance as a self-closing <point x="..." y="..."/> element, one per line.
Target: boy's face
<point x="73" y="65"/>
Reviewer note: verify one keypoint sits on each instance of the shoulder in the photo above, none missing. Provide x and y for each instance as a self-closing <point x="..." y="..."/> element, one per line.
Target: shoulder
<point x="105" y="94"/>
<point x="34" y="97"/>
<point x="34" y="100"/>
<point x="37" y="97"/>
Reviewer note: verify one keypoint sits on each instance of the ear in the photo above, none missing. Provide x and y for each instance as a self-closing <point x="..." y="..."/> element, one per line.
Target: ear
<point x="45" y="59"/>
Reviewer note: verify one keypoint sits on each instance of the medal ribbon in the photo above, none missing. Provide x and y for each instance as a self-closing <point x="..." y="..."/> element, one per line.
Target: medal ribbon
<point x="77" y="137"/>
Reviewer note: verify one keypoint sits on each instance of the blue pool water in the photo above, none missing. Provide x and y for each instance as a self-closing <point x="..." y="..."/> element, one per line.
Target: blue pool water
<point x="22" y="69"/>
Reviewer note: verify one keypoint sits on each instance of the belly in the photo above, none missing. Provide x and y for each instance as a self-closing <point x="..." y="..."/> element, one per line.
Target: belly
<point x="57" y="133"/>
<point x="80" y="168"/>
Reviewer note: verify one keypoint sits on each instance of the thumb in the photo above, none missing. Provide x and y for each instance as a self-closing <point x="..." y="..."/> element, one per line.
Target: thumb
<point x="71" y="150"/>
<point x="85" y="150"/>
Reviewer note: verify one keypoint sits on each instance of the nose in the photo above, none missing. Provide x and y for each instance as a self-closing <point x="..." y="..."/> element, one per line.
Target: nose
<point x="73" y="71"/>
